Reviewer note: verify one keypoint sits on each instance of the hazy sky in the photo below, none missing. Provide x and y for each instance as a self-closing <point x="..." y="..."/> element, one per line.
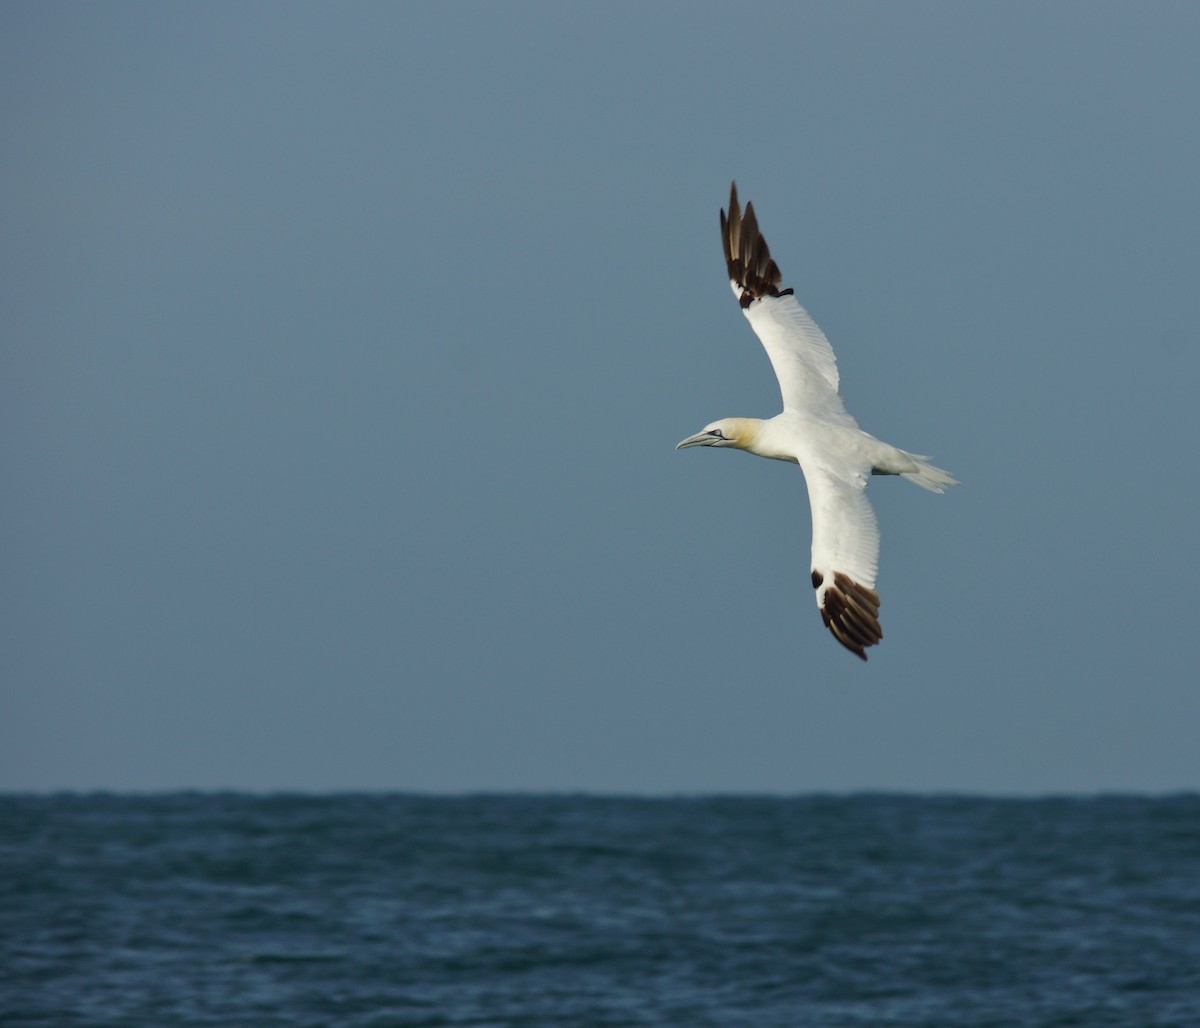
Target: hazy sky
<point x="345" y="348"/>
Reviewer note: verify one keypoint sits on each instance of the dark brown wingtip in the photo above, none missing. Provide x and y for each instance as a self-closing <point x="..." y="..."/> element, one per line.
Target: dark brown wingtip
<point x="731" y="225"/>
<point x="747" y="257"/>
<point x="851" y="612"/>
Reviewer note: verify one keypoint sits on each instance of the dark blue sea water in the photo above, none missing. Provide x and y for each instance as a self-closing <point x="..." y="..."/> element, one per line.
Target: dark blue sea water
<point x="374" y="910"/>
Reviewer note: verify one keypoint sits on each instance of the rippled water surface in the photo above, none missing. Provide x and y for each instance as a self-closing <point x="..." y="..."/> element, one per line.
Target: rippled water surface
<point x="374" y="910"/>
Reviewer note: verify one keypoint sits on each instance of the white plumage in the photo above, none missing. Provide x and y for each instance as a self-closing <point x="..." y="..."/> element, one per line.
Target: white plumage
<point x="817" y="432"/>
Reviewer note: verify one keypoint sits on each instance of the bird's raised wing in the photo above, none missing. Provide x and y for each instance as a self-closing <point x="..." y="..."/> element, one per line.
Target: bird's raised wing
<point x="800" y="354"/>
<point x="845" y="557"/>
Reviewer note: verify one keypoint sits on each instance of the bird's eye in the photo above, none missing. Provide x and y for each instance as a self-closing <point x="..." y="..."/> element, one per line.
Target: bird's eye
<point x="718" y="433"/>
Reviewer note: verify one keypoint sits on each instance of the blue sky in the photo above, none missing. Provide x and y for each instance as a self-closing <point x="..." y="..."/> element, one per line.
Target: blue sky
<point x="345" y="349"/>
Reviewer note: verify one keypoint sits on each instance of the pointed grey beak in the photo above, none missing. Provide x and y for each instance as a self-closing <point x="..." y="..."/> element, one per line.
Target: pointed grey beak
<point x="699" y="439"/>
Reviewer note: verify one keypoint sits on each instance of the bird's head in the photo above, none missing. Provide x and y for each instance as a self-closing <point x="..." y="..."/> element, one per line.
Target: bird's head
<point x="736" y="432"/>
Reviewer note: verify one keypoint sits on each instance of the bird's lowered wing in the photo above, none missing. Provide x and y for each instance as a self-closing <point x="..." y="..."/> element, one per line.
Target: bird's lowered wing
<point x="800" y="354"/>
<point x="845" y="557"/>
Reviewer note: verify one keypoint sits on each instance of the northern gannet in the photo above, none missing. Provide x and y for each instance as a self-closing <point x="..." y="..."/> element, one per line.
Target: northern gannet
<point x="817" y="432"/>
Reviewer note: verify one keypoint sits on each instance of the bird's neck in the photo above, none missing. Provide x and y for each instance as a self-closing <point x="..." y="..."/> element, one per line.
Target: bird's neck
<point x="755" y="436"/>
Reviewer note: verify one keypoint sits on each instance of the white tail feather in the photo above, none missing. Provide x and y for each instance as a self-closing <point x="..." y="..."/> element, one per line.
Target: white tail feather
<point x="926" y="475"/>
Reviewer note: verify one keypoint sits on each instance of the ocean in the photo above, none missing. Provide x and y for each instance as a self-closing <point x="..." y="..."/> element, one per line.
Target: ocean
<point x="378" y="909"/>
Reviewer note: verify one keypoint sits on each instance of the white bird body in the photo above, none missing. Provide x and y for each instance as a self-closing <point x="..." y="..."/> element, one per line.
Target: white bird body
<point x="817" y="432"/>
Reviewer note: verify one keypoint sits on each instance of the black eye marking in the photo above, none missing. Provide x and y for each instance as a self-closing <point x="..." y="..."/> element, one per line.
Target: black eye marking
<point x="717" y="432"/>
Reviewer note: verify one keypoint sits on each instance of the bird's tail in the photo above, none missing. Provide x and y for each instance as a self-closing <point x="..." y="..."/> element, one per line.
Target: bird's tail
<point x="926" y="475"/>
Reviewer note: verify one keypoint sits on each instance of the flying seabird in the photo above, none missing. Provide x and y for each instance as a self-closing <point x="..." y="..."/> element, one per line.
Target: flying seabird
<point x="817" y="432"/>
